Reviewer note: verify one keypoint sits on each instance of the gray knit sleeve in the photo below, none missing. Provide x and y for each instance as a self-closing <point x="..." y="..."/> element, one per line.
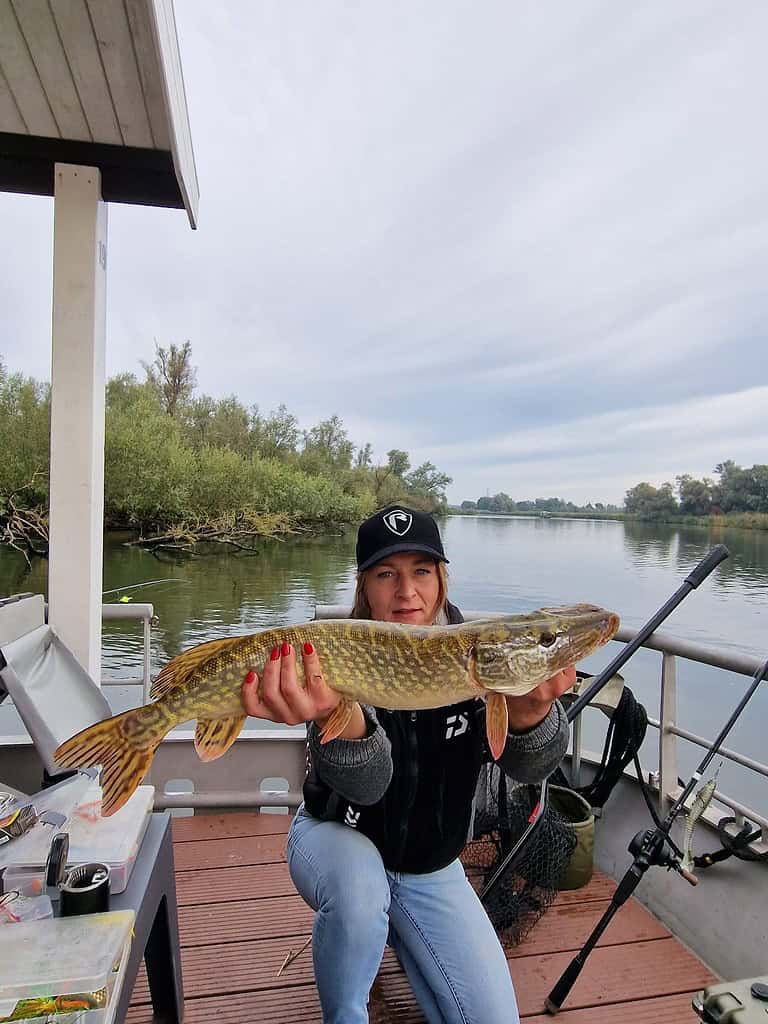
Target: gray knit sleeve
<point x="358" y="770"/>
<point x="533" y="755"/>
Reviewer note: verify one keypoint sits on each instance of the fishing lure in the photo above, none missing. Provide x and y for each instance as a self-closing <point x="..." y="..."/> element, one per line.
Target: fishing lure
<point x="47" y="1006"/>
<point x="700" y="803"/>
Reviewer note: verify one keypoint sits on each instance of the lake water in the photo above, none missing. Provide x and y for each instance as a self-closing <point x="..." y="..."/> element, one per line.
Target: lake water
<point x="497" y="564"/>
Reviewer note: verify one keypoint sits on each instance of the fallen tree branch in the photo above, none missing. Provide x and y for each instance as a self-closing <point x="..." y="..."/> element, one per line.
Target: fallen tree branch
<point x="241" y="530"/>
<point x="24" y="527"/>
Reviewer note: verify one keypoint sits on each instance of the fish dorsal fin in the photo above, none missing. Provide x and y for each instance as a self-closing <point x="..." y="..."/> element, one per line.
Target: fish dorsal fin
<point x="179" y="669"/>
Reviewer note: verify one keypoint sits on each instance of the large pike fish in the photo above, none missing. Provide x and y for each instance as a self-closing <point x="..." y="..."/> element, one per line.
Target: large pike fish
<point x="384" y="664"/>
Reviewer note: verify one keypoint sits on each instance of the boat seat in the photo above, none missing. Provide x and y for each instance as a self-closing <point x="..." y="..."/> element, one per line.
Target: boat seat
<point x="53" y="694"/>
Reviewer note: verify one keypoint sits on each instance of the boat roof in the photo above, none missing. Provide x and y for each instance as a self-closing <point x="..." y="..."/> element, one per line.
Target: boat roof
<point x="98" y="85"/>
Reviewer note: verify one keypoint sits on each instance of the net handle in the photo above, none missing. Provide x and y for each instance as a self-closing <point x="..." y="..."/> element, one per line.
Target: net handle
<point x="534" y="821"/>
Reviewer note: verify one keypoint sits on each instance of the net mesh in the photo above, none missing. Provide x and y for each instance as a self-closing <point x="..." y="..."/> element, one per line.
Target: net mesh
<point x="529" y="885"/>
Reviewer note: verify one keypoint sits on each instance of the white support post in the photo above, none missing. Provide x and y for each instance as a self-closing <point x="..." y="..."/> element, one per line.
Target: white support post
<point x="77" y="412"/>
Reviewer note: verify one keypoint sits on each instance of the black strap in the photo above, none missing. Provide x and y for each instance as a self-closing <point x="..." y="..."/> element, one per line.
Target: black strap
<point x="625" y="735"/>
<point x="733" y="845"/>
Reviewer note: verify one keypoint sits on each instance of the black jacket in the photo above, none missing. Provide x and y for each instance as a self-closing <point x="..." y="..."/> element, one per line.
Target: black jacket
<point x="422" y="821"/>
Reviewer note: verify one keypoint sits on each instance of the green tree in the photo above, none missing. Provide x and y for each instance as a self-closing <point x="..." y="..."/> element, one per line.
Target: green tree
<point x="696" y="496"/>
<point x="649" y="502"/>
<point x="398" y="462"/>
<point x="428" y="484"/>
<point x="364" y="457"/>
<point x="25" y="425"/>
<point x="147" y="468"/>
<point x="326" y="446"/>
<point x="230" y="426"/>
<point x="275" y="436"/>
<point x="172" y="375"/>
<point x="199" y="415"/>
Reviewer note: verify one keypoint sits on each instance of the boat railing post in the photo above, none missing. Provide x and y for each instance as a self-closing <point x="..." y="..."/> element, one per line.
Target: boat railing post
<point x="146" y="681"/>
<point x="667" y="739"/>
<point x="576" y="754"/>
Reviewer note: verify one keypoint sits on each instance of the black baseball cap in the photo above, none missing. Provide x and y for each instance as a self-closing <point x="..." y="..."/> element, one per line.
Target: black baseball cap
<point x="397" y="529"/>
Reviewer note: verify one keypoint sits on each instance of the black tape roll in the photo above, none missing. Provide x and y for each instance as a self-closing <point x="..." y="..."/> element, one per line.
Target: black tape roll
<point x="85" y="890"/>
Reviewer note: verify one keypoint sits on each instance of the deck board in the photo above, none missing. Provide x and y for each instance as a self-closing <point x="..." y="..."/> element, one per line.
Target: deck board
<point x="239" y="915"/>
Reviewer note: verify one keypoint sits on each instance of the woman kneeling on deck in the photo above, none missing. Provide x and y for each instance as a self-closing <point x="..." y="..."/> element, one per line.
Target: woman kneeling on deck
<point x="387" y="806"/>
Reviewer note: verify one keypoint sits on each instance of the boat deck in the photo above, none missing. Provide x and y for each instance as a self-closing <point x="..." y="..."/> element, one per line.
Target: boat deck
<point x="239" y="915"/>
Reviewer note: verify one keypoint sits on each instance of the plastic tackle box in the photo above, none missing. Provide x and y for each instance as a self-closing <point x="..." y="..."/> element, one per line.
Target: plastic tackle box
<point x="113" y="841"/>
<point x="65" y="968"/>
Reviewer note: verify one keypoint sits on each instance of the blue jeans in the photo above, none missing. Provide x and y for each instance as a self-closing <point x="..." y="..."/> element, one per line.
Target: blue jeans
<point x="434" y="922"/>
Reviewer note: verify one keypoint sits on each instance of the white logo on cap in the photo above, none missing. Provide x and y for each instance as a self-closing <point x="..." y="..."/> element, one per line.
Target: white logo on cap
<point x="398" y="522"/>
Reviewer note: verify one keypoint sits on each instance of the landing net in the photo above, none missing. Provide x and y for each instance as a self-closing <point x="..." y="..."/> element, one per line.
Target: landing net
<point x="530" y="884"/>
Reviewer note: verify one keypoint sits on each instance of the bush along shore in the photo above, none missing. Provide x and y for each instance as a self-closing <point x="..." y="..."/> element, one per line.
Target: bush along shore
<point x="184" y="470"/>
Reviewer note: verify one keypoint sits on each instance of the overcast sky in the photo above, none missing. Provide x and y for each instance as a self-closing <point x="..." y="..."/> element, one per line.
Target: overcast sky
<point x="525" y="241"/>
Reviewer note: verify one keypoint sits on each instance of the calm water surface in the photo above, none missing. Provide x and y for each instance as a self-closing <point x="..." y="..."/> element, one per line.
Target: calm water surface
<point x="497" y="564"/>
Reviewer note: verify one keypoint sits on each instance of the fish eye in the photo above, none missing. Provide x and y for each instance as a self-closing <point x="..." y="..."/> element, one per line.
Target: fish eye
<point x="547" y="639"/>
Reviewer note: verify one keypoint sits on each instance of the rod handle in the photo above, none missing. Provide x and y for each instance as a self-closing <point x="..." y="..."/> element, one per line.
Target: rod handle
<point x="688" y="875"/>
<point x="717" y="555"/>
<point x="559" y="993"/>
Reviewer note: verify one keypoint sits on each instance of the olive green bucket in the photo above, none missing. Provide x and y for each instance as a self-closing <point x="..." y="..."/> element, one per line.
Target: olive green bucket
<point x="577" y="812"/>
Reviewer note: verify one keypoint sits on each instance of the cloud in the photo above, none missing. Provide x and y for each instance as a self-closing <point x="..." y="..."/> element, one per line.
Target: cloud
<point x="528" y="248"/>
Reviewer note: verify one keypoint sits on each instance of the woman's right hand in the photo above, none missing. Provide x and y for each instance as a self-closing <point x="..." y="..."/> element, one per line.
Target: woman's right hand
<point x="281" y="697"/>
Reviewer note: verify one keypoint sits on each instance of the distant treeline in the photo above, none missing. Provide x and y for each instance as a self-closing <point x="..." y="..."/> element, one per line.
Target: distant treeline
<point x="173" y="455"/>
<point x="502" y="502"/>
<point x="738" y="495"/>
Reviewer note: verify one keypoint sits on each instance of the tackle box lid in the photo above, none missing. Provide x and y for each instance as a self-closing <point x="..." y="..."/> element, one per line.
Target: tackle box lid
<point x="61" y="956"/>
<point x="113" y="840"/>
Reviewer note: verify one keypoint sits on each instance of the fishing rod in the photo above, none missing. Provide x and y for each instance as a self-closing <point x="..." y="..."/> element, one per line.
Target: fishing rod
<point x="650" y="848"/>
<point x="139" y="586"/>
<point x="697" y="576"/>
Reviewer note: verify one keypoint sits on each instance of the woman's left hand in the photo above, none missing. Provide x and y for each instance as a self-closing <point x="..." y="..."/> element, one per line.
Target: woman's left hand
<point x="527" y="712"/>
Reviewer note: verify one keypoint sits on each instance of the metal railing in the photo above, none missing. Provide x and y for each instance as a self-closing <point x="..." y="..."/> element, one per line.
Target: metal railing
<point x="133" y="612"/>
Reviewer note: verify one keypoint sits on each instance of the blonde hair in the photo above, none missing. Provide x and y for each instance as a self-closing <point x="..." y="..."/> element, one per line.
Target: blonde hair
<point x="362" y="610"/>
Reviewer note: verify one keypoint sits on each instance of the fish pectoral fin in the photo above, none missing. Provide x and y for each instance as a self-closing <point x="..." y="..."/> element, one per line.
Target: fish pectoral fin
<point x="496" y="723"/>
<point x="338" y="721"/>
<point x="214" y="736"/>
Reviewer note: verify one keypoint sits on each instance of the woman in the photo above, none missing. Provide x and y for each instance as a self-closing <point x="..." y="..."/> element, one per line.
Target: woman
<point x="388" y="805"/>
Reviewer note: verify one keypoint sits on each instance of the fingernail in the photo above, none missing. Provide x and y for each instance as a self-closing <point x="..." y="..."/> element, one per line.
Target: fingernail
<point x="308" y="648"/>
<point x="286" y="649"/>
<point x="275" y="654"/>
<point x="250" y="678"/>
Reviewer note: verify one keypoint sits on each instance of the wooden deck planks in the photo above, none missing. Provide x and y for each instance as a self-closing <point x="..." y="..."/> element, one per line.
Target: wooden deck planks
<point x="239" y="915"/>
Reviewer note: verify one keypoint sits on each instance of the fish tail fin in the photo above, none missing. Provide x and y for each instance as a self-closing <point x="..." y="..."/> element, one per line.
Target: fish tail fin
<point x="124" y="747"/>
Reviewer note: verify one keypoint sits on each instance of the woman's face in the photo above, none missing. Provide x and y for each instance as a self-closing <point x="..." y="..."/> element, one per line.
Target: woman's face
<point x="404" y="588"/>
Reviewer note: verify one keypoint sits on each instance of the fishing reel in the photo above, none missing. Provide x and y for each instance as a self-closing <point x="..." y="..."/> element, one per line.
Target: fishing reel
<point x="653" y="847"/>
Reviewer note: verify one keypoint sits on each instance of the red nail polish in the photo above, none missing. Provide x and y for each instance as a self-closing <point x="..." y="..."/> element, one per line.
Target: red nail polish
<point x="308" y="648"/>
<point x="251" y="677"/>
<point x="286" y="649"/>
<point x="275" y="654"/>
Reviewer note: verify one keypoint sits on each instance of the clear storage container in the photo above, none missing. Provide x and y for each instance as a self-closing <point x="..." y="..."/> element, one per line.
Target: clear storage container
<point x="65" y="968"/>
